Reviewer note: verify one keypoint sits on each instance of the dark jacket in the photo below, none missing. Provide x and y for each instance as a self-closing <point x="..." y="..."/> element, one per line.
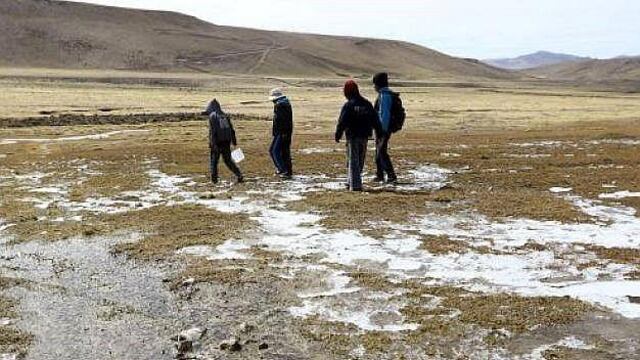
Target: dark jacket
<point x="221" y="130"/>
<point x="282" y="117"/>
<point x="358" y="119"/>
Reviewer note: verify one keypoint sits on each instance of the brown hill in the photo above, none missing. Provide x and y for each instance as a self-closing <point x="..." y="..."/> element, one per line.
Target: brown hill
<point x="58" y="34"/>
<point x="618" y="69"/>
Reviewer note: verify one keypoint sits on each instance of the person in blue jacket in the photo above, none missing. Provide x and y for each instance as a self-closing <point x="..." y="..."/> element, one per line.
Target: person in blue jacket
<point x="384" y="108"/>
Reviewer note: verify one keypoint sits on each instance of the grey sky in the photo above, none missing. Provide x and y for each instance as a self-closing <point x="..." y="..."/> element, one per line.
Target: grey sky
<point x="470" y="28"/>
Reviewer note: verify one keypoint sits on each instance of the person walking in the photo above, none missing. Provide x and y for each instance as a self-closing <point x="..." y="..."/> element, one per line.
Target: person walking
<point x="282" y="133"/>
<point x="358" y="119"/>
<point x="221" y="137"/>
<point x="391" y="117"/>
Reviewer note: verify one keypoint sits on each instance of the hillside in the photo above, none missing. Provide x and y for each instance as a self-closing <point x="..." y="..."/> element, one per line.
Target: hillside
<point x="618" y="69"/>
<point x="58" y="34"/>
<point x="530" y="61"/>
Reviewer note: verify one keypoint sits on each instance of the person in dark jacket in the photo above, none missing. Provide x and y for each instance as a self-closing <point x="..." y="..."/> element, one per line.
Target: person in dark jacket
<point x="221" y="137"/>
<point x="358" y="119"/>
<point x="280" y="149"/>
<point x="383" y="107"/>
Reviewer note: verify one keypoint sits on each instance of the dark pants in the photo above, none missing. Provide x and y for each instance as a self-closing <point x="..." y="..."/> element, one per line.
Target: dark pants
<point x="223" y="149"/>
<point x="280" y="151"/>
<point x="356" y="156"/>
<point x="383" y="161"/>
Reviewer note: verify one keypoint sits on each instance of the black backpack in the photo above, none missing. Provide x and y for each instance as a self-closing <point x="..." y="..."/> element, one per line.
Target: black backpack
<point x="398" y="114"/>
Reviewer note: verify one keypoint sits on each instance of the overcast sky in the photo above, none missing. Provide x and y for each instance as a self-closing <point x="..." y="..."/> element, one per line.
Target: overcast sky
<point x="469" y="28"/>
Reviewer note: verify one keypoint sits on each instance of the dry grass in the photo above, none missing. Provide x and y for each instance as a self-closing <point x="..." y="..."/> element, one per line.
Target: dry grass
<point x="11" y="340"/>
<point x="442" y="245"/>
<point x="458" y="309"/>
<point x="366" y="210"/>
<point x="521" y="203"/>
<point x="172" y="228"/>
<point x="618" y="255"/>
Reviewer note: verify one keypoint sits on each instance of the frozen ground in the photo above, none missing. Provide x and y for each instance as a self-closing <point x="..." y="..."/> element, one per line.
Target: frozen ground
<point x="107" y="306"/>
<point x="397" y="257"/>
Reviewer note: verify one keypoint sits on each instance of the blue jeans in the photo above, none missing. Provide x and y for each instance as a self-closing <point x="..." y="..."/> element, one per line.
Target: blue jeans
<point x="280" y="151"/>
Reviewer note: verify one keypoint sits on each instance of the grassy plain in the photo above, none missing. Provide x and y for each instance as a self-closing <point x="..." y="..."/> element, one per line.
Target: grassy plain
<point x="506" y="144"/>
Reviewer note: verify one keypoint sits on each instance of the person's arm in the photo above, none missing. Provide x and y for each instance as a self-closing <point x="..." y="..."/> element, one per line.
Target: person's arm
<point x="342" y="122"/>
<point x="278" y="119"/>
<point x="212" y="131"/>
<point x="375" y="121"/>
<point x="234" y="140"/>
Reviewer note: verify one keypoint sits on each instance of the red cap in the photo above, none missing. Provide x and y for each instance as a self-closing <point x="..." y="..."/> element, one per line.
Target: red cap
<point x="351" y="89"/>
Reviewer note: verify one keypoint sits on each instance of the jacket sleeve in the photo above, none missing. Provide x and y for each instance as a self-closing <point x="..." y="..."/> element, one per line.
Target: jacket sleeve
<point x="234" y="140"/>
<point x="278" y="119"/>
<point x="212" y="130"/>
<point x="375" y="121"/>
<point x="343" y="121"/>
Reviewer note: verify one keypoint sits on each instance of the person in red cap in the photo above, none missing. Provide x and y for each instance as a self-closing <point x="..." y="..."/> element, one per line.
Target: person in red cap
<point x="357" y="120"/>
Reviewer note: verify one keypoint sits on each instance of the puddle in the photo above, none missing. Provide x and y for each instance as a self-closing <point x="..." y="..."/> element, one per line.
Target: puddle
<point x="84" y="303"/>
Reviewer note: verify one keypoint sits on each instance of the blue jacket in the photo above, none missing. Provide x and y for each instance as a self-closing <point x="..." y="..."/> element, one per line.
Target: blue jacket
<point x="383" y="106"/>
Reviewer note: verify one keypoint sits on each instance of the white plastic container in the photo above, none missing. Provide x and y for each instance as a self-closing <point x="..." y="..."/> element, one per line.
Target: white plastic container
<point x="237" y="155"/>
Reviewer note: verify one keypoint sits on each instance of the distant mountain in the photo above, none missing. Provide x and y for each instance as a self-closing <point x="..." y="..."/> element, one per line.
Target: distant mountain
<point x="617" y="69"/>
<point x="59" y="34"/>
<point x="541" y="58"/>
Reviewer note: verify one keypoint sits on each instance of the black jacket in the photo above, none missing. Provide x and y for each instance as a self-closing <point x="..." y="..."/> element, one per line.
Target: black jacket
<point x="358" y="119"/>
<point x="282" y="118"/>
<point x="221" y="130"/>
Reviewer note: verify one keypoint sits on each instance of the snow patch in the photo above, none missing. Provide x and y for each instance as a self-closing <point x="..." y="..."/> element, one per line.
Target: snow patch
<point x="619" y="195"/>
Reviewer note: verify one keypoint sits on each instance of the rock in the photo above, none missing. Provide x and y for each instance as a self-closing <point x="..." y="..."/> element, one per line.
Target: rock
<point x="188" y="282"/>
<point x="263" y="346"/>
<point x="184" y="340"/>
<point x="246" y="328"/>
<point x="192" y="335"/>
<point x="184" y="347"/>
<point x="232" y="345"/>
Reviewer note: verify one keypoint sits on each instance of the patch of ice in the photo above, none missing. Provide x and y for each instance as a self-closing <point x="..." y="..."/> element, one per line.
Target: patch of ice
<point x="49" y="190"/>
<point x="360" y="318"/>
<point x="628" y="142"/>
<point x="339" y="285"/>
<point x="558" y="190"/>
<point x="230" y="250"/>
<point x="548" y="143"/>
<point x="454" y="155"/>
<point x="528" y="156"/>
<point x="70" y="138"/>
<point x="619" y="195"/>
<point x="309" y="151"/>
<point x="4" y="226"/>
<point x="569" y="342"/>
